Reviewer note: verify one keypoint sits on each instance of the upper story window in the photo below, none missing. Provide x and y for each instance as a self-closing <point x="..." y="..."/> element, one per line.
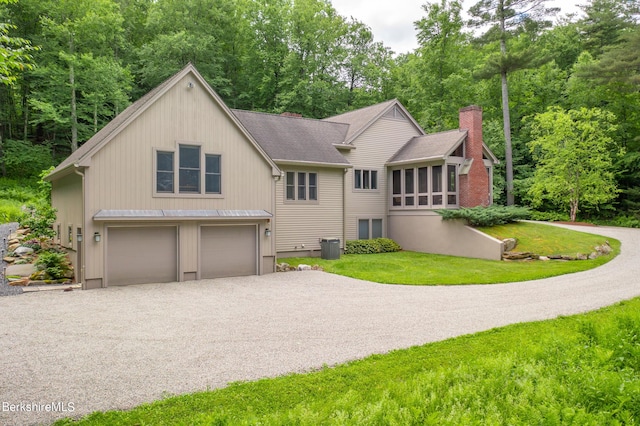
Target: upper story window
<point x="301" y="186"/>
<point x="365" y="179"/>
<point x="191" y="174"/>
<point x="424" y="187"/>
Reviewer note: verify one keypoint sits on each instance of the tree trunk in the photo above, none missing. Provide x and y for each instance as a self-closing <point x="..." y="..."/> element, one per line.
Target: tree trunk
<point x="573" y="210"/>
<point x="506" y="117"/>
<point x="74" y="112"/>
<point x="508" y="155"/>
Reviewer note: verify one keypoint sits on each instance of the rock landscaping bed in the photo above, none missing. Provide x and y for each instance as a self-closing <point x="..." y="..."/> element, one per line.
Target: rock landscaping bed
<point x="35" y="261"/>
<point x="510" y="244"/>
<point x="285" y="267"/>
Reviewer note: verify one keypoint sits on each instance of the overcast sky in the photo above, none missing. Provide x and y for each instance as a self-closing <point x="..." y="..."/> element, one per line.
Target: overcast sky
<point x="392" y="21"/>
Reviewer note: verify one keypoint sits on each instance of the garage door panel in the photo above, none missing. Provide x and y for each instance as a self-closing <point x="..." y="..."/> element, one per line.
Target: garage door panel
<point x="228" y="251"/>
<point x="140" y="255"/>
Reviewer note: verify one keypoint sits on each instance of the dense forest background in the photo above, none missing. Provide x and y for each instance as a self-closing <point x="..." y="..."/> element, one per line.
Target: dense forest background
<point x="84" y="61"/>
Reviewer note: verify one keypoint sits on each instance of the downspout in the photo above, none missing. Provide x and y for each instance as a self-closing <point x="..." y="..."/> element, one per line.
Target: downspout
<point x="344" y="209"/>
<point x="84" y="227"/>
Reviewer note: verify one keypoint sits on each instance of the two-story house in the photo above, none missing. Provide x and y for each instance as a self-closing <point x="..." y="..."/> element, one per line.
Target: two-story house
<point x="180" y="187"/>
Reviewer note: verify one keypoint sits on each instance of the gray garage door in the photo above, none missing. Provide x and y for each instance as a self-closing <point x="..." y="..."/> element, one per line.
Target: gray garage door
<point x="139" y="255"/>
<point x="228" y="251"/>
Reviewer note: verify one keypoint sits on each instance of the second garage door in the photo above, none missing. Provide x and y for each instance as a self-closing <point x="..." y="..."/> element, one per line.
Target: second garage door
<point x="139" y="255"/>
<point x="228" y="251"/>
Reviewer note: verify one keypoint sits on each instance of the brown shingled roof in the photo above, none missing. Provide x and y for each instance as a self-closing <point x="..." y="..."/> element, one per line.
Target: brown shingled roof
<point x="295" y="139"/>
<point x="433" y="146"/>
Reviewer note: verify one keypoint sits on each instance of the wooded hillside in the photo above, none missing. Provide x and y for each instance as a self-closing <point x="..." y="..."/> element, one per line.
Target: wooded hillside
<point x="69" y="66"/>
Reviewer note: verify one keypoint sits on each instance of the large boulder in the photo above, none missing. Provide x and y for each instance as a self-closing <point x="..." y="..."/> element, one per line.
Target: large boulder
<point x="510" y="244"/>
<point x="22" y="251"/>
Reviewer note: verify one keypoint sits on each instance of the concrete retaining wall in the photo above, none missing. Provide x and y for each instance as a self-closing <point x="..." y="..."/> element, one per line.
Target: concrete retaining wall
<point x="426" y="232"/>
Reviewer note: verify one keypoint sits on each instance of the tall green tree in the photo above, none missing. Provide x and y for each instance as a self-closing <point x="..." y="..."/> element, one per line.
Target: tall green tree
<point x="182" y="31"/>
<point x="15" y="57"/>
<point x="605" y="21"/>
<point x="443" y="62"/>
<point x="506" y="19"/>
<point x="16" y="53"/>
<point x="311" y="71"/>
<point x="79" y="39"/>
<point x="575" y="164"/>
<point x="366" y="67"/>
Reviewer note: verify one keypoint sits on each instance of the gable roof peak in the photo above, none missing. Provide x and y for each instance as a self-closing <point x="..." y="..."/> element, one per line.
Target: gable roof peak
<point x="361" y="119"/>
<point x="122" y="120"/>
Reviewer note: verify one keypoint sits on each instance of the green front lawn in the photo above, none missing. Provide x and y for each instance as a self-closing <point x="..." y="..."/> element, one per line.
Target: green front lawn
<point x="431" y="269"/>
<point x="581" y="370"/>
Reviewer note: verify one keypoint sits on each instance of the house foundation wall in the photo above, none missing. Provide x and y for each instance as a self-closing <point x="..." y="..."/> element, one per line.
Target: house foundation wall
<point x="426" y="232"/>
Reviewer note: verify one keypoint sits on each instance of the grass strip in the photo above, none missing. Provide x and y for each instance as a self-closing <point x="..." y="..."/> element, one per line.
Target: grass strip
<point x="415" y="268"/>
<point x="583" y="369"/>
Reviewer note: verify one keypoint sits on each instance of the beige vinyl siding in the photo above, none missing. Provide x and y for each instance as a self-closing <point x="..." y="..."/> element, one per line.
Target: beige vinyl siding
<point x="304" y="223"/>
<point x="121" y="174"/>
<point x="373" y="149"/>
<point x="66" y="198"/>
<point x="125" y="171"/>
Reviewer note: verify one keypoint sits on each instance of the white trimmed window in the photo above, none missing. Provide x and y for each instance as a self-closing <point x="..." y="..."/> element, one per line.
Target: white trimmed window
<point x="425" y="187"/>
<point x="301" y="186"/>
<point x="365" y="179"/>
<point x="192" y="178"/>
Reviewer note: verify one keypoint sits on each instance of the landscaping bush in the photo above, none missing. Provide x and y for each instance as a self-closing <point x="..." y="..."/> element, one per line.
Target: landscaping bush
<point x="39" y="219"/>
<point x="54" y="263"/>
<point x="376" y="245"/>
<point x="626" y="221"/>
<point x="550" y="216"/>
<point x="487" y="216"/>
<point x="26" y="159"/>
<point x="10" y="211"/>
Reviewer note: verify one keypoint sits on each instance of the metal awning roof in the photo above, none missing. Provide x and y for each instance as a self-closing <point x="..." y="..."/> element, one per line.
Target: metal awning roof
<point x="180" y="214"/>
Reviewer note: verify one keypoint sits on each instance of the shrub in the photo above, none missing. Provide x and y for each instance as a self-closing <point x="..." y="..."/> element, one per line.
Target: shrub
<point x="39" y="219"/>
<point x="26" y="159"/>
<point x="33" y="243"/>
<point x="550" y="216"/>
<point x="53" y="263"/>
<point x="376" y="245"/>
<point x="10" y="211"/>
<point x="487" y="216"/>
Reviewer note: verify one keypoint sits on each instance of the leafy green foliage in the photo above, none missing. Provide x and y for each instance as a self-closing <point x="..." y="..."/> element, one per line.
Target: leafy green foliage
<point x="549" y="216"/>
<point x="570" y="370"/>
<point x="55" y="264"/>
<point x="14" y="196"/>
<point x="376" y="245"/>
<point x="575" y="164"/>
<point x="10" y="211"/>
<point x="487" y="216"/>
<point x="15" y="52"/>
<point x="25" y="159"/>
<point x="39" y="220"/>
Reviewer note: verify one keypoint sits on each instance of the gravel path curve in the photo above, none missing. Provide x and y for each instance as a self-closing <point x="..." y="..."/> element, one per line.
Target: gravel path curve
<point x="118" y="347"/>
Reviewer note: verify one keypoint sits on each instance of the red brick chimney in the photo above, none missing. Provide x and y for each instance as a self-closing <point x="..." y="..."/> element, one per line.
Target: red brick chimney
<point x="474" y="185"/>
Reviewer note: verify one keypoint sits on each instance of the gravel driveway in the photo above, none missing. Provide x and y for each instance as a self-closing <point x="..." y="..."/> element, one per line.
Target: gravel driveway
<point x="118" y="347"/>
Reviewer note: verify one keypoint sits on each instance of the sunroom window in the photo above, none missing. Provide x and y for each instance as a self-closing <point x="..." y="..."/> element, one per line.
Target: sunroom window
<point x="425" y="186"/>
